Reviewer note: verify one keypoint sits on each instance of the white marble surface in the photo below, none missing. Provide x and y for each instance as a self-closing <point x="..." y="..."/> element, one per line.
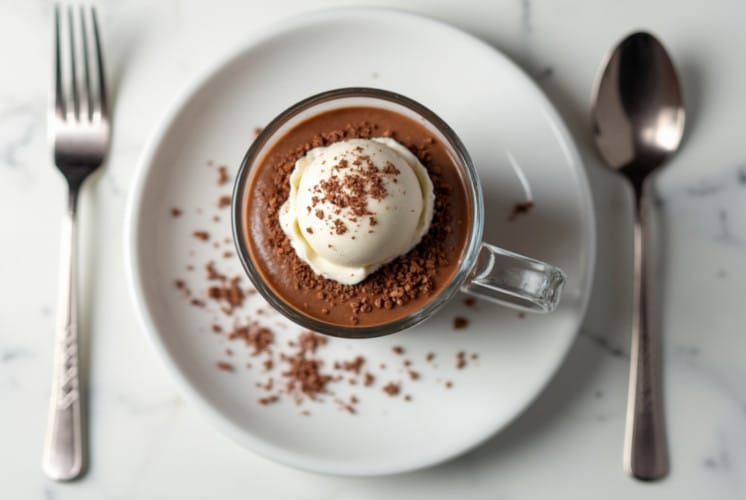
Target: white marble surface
<point x="147" y="443"/>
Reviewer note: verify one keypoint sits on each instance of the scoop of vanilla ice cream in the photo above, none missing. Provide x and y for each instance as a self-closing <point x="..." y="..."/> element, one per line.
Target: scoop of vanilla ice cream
<point x="355" y="205"/>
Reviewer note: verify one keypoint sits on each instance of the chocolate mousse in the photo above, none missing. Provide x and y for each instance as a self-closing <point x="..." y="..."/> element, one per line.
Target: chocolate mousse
<point x="357" y="217"/>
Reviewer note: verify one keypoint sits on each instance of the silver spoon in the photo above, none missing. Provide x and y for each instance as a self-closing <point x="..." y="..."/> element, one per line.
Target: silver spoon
<point x="638" y="122"/>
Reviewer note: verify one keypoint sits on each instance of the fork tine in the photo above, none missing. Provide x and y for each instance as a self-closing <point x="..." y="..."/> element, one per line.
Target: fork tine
<point x="74" y="105"/>
<point x="62" y="98"/>
<point x="82" y="72"/>
<point x="59" y="104"/>
<point x="99" y="103"/>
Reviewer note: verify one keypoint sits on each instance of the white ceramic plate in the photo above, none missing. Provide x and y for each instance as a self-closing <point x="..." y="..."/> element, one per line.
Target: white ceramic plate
<point x="521" y="149"/>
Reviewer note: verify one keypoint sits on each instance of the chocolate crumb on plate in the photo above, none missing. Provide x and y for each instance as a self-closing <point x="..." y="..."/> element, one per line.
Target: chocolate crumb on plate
<point x="459" y="323"/>
<point x="392" y="389"/>
<point x="268" y="400"/>
<point x="228" y="293"/>
<point x="346" y="406"/>
<point x="351" y="366"/>
<point x="175" y="212"/>
<point x="470" y="301"/>
<point x="461" y="360"/>
<point x="258" y="338"/>
<point x="224" y="202"/>
<point x="201" y="235"/>
<point x="224" y="366"/>
<point x="397" y="349"/>
<point x="222" y="175"/>
<point x="520" y="208"/>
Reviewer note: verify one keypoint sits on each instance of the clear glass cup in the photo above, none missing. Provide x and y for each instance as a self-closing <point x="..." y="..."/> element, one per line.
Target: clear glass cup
<point x="485" y="271"/>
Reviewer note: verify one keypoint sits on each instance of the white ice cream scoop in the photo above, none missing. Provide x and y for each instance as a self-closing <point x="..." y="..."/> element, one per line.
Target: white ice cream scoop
<point x="355" y="205"/>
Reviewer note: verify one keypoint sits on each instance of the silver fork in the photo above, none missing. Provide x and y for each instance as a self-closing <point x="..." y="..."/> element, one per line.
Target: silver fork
<point x="79" y="122"/>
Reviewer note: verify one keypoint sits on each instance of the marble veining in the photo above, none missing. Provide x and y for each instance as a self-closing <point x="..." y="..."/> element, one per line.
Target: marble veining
<point x="742" y="175"/>
<point x="18" y="124"/>
<point x="12" y="355"/>
<point x="113" y="185"/>
<point x="132" y="405"/>
<point x="526" y="17"/>
<point x="544" y="74"/>
<point x="606" y="345"/>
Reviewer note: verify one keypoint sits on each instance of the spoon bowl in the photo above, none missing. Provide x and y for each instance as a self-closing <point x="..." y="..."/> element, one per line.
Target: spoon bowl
<point x="638" y="108"/>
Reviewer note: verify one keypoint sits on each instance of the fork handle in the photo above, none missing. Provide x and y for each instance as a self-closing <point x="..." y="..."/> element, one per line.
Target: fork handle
<point x="63" y="449"/>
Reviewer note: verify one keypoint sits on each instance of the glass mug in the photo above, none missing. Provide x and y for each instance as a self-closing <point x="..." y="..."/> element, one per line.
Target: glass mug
<point x="484" y="271"/>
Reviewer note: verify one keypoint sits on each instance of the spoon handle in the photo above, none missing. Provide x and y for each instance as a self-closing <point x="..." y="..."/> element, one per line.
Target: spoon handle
<point x="645" y="447"/>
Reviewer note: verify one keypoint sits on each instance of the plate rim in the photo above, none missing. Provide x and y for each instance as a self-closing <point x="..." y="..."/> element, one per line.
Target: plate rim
<point x="132" y="259"/>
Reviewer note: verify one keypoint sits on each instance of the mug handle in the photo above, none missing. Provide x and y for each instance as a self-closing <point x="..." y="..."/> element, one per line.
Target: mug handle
<point x="514" y="280"/>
